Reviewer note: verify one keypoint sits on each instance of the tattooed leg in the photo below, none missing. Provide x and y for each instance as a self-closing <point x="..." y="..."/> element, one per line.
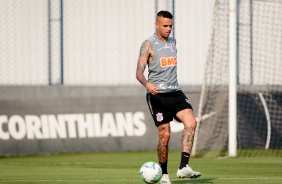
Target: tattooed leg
<point x="164" y="136"/>
<point x="189" y="121"/>
<point x="187" y="139"/>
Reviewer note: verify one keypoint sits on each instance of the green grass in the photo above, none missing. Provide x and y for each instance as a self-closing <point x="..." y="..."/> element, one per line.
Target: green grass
<point x="124" y="168"/>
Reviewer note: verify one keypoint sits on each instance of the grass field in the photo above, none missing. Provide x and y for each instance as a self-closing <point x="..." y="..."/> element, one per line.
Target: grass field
<point x="124" y="168"/>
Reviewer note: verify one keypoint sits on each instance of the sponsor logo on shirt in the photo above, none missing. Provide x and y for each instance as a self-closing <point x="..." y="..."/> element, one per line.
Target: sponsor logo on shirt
<point x="168" y="61"/>
<point x="168" y="86"/>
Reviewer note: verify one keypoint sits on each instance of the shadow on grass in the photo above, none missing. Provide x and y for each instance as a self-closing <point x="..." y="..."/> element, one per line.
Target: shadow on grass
<point x="193" y="181"/>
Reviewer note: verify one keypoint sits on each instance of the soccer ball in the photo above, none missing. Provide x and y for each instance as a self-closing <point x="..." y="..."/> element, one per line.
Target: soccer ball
<point x="151" y="172"/>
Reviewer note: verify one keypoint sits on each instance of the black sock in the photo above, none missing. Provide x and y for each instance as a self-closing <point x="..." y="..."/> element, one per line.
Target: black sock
<point x="164" y="167"/>
<point x="184" y="159"/>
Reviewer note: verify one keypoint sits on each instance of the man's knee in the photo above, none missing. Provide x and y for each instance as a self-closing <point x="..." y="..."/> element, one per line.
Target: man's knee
<point x="192" y="123"/>
<point x="166" y="137"/>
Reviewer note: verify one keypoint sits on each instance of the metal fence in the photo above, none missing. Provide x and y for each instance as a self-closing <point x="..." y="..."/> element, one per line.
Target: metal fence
<point x="95" y="42"/>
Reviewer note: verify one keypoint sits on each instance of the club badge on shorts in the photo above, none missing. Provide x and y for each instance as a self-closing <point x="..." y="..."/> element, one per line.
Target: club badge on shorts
<point x="159" y="116"/>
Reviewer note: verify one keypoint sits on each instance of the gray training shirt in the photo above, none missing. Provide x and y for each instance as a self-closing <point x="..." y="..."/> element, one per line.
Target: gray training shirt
<point x="163" y="67"/>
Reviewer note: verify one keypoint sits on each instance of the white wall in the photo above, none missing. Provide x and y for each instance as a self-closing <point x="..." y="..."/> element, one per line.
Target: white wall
<point x="23" y="44"/>
<point x="101" y="40"/>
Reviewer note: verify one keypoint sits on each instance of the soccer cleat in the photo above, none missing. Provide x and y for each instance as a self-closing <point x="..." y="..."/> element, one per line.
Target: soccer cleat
<point x="165" y="179"/>
<point x="187" y="172"/>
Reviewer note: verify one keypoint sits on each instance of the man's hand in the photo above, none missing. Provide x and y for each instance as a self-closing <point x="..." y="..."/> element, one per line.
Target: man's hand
<point x="152" y="88"/>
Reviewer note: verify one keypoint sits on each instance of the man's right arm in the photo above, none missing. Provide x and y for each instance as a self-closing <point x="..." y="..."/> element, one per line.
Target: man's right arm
<point x="142" y="62"/>
<point x="143" y="59"/>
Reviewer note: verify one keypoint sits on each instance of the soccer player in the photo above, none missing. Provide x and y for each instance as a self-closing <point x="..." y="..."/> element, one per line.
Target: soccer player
<point x="164" y="96"/>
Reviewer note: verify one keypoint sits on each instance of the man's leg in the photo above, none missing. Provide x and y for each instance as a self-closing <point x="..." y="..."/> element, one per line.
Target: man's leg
<point x="188" y="119"/>
<point x="164" y="136"/>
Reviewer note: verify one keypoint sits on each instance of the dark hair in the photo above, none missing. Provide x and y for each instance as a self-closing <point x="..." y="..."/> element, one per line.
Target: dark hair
<point x="165" y="14"/>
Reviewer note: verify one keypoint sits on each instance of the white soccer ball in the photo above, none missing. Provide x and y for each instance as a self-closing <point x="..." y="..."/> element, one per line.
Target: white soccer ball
<point x="151" y="172"/>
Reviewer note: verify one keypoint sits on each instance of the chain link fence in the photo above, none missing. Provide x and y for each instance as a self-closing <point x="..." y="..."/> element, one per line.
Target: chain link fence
<point x="95" y="42"/>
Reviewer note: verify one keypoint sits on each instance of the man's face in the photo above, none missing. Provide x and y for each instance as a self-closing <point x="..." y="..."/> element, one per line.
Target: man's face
<point x="164" y="26"/>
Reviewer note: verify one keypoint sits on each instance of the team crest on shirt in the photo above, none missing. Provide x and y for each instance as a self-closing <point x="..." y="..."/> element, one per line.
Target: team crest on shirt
<point x="172" y="48"/>
<point x="159" y="116"/>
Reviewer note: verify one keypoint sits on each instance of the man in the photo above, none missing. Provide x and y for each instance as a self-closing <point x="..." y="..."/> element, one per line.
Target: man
<point x="164" y="96"/>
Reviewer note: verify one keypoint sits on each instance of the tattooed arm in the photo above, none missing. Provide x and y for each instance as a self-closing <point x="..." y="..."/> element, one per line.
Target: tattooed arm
<point x="144" y="56"/>
<point x="142" y="62"/>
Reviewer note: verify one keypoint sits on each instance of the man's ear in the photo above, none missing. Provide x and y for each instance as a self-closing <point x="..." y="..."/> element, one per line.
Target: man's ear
<point x="157" y="25"/>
